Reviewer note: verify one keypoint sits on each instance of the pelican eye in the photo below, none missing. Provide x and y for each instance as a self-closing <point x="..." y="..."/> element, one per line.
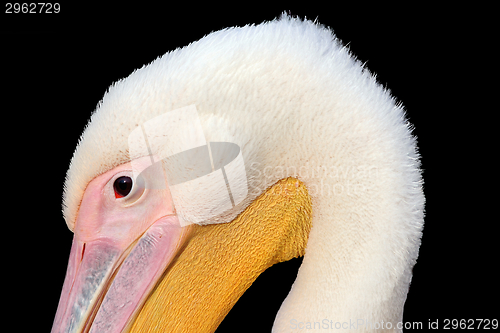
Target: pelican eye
<point x="122" y="186"/>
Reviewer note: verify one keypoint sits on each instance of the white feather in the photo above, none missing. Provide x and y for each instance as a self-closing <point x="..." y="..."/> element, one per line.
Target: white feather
<point x="298" y="104"/>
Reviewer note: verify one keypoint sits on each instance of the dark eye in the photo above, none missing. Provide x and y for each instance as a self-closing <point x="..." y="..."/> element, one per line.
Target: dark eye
<point x="122" y="186"/>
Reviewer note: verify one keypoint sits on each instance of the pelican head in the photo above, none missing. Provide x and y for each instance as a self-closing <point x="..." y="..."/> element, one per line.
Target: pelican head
<point x="249" y="147"/>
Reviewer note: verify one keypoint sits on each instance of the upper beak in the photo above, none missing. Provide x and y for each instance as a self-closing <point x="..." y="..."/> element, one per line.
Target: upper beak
<point x="106" y="283"/>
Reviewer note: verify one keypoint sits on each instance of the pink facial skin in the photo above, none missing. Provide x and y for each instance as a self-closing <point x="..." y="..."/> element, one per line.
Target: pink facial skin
<point x="133" y="238"/>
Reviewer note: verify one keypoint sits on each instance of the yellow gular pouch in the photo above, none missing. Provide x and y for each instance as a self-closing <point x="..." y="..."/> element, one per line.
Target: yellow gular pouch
<point x="220" y="261"/>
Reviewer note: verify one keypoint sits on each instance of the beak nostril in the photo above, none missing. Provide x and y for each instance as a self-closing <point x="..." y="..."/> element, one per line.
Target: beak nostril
<point x="83" y="250"/>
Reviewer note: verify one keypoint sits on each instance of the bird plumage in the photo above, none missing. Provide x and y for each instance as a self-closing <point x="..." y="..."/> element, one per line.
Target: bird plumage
<point x="299" y="105"/>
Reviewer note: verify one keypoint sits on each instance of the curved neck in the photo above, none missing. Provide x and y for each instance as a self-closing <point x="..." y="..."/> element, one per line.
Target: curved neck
<point x="367" y="221"/>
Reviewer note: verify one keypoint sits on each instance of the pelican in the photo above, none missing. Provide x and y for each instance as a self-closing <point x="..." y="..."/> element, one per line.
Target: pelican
<point x="249" y="147"/>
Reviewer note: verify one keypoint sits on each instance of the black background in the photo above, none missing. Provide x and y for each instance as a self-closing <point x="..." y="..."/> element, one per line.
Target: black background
<point x="56" y="68"/>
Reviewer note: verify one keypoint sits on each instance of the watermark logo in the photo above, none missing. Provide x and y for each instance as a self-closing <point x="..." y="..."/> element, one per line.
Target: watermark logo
<point x="205" y="179"/>
<point x="329" y="180"/>
<point x="358" y="324"/>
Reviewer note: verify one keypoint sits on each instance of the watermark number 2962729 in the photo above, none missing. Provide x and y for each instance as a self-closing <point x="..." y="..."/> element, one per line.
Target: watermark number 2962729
<point x="32" y="8"/>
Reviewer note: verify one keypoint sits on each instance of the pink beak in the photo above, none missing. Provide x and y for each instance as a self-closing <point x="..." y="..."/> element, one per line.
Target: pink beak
<point x="120" y="250"/>
<point x="93" y="301"/>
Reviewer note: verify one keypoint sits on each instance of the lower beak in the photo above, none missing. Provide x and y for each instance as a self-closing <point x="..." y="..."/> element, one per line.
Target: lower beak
<point x="106" y="285"/>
